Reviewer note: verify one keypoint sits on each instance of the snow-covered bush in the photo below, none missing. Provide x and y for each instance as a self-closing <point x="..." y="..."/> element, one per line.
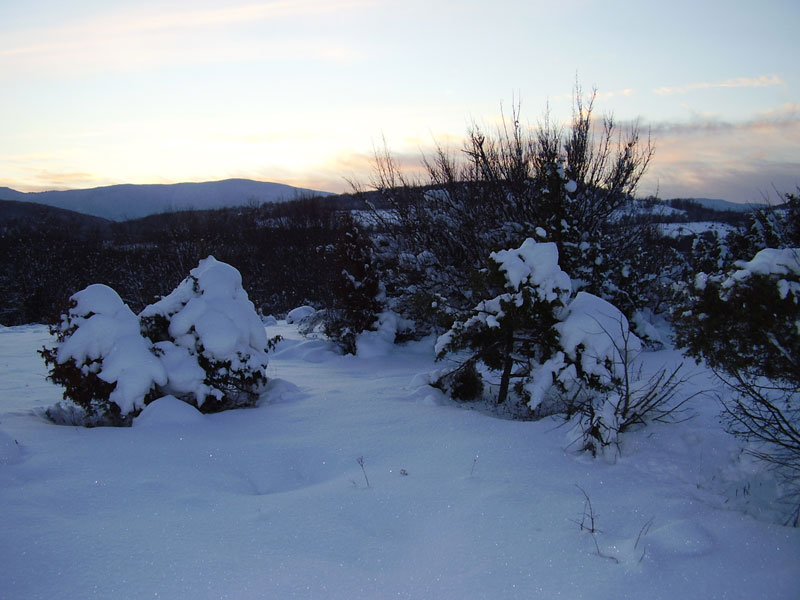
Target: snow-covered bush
<point x="745" y="323"/>
<point x="514" y="331"/>
<point x="534" y="333"/>
<point x="615" y="398"/>
<point x="105" y="365"/>
<point x="565" y="354"/>
<point x="204" y="343"/>
<point x="748" y="318"/>
<point x="210" y="339"/>
<point x="299" y="314"/>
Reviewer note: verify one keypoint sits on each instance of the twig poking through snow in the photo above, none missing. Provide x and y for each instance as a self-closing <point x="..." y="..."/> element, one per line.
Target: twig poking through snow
<point x="588" y="523"/>
<point x="643" y="532"/>
<point x="474" y="462"/>
<point x="360" y="461"/>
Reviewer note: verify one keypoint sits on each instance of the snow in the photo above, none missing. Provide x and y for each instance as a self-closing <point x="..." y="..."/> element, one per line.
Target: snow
<point x="186" y="376"/>
<point x="370" y="344"/>
<point x="535" y="264"/>
<point x="677" y="230"/>
<point x="596" y="333"/>
<point x="10" y="452"/>
<point x="213" y="303"/>
<point x="774" y="262"/>
<point x="771" y="261"/>
<point x="298" y="314"/>
<point x="108" y="329"/>
<point x="542" y="377"/>
<point x="209" y="313"/>
<point x="169" y="412"/>
<point x="102" y="317"/>
<point x="270" y="502"/>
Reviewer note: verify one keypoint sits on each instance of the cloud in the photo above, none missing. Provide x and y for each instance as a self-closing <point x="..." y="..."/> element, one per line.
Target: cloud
<point x="787" y="115"/>
<point x="599" y="95"/>
<point x="627" y="92"/>
<point x="154" y="35"/>
<point x="739" y="161"/>
<point x="38" y="180"/>
<point x="738" y="82"/>
<point x="144" y="19"/>
<point x="243" y="13"/>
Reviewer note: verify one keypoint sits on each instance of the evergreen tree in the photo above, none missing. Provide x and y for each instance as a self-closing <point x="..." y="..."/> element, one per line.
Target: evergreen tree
<point x="355" y="289"/>
<point x="203" y="343"/>
<point x="743" y="319"/>
<point x="514" y="331"/>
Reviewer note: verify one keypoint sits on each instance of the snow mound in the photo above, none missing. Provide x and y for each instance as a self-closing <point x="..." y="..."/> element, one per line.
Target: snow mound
<point x="280" y="390"/>
<point x="682" y="537"/>
<point x="168" y="411"/>
<point x="298" y="314"/>
<point x="311" y="350"/>
<point x="596" y="334"/>
<point x="372" y="344"/>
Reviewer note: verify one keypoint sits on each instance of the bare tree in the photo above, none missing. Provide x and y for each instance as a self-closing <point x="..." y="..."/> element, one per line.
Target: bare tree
<point x="501" y="188"/>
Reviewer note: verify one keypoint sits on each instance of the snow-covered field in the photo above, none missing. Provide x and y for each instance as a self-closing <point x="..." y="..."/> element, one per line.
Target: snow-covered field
<point x="675" y="230"/>
<point x="271" y="502"/>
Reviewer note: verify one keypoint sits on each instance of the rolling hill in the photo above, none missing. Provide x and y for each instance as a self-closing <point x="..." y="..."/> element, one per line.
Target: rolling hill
<point x="129" y="201"/>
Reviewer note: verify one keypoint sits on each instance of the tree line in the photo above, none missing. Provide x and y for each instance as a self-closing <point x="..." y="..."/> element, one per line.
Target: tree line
<point x="282" y="251"/>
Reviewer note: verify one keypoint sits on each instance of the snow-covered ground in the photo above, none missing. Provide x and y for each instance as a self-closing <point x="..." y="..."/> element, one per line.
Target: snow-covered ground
<point x="271" y="502"/>
<point x="676" y="230"/>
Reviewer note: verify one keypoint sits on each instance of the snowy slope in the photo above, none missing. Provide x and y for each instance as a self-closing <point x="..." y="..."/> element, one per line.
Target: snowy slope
<point x="123" y="202"/>
<point x="676" y="230"/>
<point x="271" y="502"/>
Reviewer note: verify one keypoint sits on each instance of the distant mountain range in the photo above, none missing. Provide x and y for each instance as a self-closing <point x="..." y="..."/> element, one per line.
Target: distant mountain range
<point x="129" y="201"/>
<point x="722" y="205"/>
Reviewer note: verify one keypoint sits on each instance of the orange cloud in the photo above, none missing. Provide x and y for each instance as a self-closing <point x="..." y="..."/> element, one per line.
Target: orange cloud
<point x="40" y="181"/>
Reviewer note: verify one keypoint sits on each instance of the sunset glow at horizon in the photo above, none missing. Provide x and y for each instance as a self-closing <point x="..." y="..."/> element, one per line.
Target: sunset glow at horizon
<point x="301" y="91"/>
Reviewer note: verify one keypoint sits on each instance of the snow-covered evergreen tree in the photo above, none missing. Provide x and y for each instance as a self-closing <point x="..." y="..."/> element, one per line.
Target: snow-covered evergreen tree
<point x="101" y="358"/>
<point x="744" y="320"/>
<point x="203" y="343"/>
<point x="533" y="331"/>
<point x="210" y="339"/>
<point x="514" y="331"/>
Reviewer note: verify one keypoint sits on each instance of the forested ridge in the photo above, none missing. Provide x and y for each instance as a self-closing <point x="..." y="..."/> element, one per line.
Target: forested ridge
<point x="47" y="254"/>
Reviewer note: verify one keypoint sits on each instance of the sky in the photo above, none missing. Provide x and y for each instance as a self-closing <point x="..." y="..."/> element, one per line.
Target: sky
<point x="100" y="92"/>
